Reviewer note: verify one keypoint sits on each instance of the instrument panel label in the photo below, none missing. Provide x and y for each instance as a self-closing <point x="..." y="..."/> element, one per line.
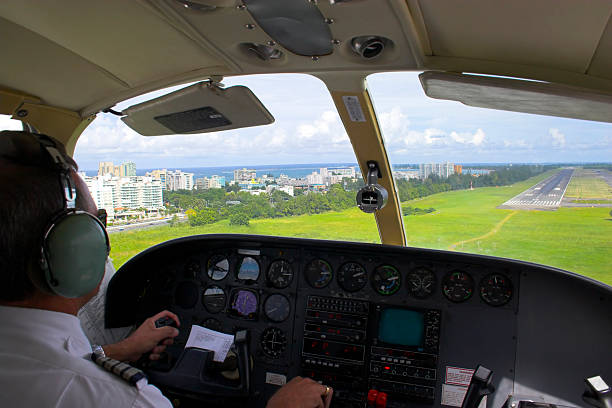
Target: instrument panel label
<point x="276" y="379"/>
<point x="453" y="395"/>
<point x="458" y="376"/>
<point x="353" y="107"/>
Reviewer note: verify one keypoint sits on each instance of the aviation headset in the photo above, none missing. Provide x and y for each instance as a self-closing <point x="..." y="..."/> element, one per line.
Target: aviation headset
<point x="75" y="245"/>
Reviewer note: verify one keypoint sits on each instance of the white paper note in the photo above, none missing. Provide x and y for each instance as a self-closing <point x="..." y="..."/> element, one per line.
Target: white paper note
<point x="207" y="339"/>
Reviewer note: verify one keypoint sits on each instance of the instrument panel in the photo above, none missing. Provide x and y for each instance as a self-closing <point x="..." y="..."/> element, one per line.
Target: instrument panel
<point x="354" y="316"/>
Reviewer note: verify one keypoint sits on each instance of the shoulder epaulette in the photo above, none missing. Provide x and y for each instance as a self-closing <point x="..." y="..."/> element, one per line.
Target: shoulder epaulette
<point x="123" y="370"/>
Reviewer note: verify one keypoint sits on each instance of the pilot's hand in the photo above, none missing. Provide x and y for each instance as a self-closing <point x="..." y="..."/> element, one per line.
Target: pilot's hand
<point x="147" y="338"/>
<point x="301" y="393"/>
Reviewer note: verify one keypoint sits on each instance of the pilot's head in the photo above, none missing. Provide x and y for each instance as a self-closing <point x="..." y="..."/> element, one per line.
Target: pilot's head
<point x="48" y="248"/>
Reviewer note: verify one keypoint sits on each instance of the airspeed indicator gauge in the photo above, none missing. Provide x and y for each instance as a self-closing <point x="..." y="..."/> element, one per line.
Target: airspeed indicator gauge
<point x="458" y="286"/>
<point x="352" y="277"/>
<point x="496" y="289"/>
<point x="386" y="280"/>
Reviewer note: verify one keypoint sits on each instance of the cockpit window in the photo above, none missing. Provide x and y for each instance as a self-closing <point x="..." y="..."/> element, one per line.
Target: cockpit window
<point x="514" y="185"/>
<point x="6" y="123"/>
<point x="297" y="177"/>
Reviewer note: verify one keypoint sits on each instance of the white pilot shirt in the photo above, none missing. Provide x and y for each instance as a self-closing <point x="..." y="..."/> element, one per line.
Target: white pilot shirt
<point x="45" y="362"/>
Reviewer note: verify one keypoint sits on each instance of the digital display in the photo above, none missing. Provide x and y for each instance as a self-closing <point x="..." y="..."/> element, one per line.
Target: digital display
<point x="333" y="349"/>
<point x="402" y="327"/>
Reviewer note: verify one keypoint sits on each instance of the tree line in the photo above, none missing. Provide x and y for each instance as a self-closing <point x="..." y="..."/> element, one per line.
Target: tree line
<point x="209" y="206"/>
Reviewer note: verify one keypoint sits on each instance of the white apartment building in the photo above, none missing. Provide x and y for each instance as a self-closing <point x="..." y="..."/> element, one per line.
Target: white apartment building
<point x="177" y="180"/>
<point x="442" y="170"/>
<point x="206" y="183"/>
<point x="113" y="193"/>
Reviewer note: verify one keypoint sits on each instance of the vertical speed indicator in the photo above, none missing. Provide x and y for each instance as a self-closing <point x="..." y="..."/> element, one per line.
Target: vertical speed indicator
<point x="458" y="286"/>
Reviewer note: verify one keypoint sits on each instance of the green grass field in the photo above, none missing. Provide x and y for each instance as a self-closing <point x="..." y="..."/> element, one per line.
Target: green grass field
<point x="576" y="239"/>
<point x="586" y="184"/>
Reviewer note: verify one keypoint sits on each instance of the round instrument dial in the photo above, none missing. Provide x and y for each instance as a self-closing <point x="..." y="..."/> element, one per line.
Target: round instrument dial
<point x="214" y="299"/>
<point x="458" y="286"/>
<point x="280" y="274"/>
<point x="277" y="308"/>
<point x="244" y="304"/>
<point x="273" y="342"/>
<point x="421" y="282"/>
<point x="319" y="273"/>
<point x="352" y="277"/>
<point x="249" y="269"/>
<point x="218" y="267"/>
<point x="386" y="280"/>
<point x="192" y="269"/>
<point x="496" y="289"/>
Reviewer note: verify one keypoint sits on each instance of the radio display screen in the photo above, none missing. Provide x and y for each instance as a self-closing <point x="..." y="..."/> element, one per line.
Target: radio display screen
<point x="401" y="327"/>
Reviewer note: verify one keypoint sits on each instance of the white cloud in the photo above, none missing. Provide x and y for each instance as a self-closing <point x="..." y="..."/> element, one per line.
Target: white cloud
<point x="558" y="138"/>
<point x="475" y="139"/>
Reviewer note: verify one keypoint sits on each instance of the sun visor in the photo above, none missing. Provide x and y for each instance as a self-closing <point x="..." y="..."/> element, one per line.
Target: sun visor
<point x="199" y="108"/>
<point x="518" y="95"/>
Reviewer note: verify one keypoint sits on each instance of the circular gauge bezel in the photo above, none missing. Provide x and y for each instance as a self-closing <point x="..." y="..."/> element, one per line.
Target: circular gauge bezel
<point x="467" y="286"/>
<point x="212" y="324"/>
<point x="421" y="273"/>
<point x="377" y="279"/>
<point x="213" y="261"/>
<point x="239" y="269"/>
<point x="238" y="314"/>
<point x="264" y="341"/>
<point x="214" y="308"/>
<point x="316" y="281"/>
<point x="350" y="283"/>
<point x="506" y="297"/>
<point x="192" y="269"/>
<point x="276" y="281"/>
<point x="276" y="315"/>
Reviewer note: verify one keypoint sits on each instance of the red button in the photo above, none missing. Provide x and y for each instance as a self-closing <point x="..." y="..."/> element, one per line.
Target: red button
<point x="372" y="394"/>
<point x="381" y="400"/>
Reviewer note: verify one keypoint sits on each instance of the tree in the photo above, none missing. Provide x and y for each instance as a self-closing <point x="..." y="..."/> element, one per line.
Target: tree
<point x="239" y="219"/>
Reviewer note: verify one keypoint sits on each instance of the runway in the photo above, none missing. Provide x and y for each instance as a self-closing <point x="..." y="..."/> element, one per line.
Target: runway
<point x="546" y="195"/>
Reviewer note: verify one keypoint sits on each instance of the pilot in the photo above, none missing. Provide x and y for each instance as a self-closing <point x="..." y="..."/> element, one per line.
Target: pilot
<point x="52" y="262"/>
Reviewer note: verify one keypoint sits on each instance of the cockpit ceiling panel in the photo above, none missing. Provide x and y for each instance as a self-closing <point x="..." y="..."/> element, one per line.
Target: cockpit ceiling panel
<point x="36" y="66"/>
<point x="128" y="39"/>
<point x="601" y="66"/>
<point x="560" y="34"/>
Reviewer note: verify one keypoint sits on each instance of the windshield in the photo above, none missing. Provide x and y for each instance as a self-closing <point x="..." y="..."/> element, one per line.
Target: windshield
<point x="490" y="182"/>
<point x="297" y="177"/>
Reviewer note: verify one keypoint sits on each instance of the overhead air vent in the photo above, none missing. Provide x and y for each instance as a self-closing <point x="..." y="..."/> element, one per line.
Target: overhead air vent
<point x="370" y="46"/>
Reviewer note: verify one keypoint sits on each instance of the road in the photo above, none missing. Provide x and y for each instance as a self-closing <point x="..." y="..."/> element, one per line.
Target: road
<point x="144" y="224"/>
<point x="546" y="195"/>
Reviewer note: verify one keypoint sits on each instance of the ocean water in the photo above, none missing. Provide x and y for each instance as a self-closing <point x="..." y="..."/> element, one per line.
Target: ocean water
<point x="291" y="170"/>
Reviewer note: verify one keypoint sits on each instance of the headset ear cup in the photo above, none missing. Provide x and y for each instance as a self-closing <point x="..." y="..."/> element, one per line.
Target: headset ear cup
<point x="75" y="249"/>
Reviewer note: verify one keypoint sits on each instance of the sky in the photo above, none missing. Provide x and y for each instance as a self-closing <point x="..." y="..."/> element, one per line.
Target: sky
<point x="307" y="129"/>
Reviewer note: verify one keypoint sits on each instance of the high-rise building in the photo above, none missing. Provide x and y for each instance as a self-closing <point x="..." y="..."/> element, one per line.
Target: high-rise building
<point x="105" y="168"/>
<point x="127" y="170"/>
<point x="242" y="175"/>
<point x="177" y="180"/>
<point x="205" y="183"/>
<point x="159" y="175"/>
<point x="458" y="168"/>
<point x="442" y="170"/>
<point x="111" y="192"/>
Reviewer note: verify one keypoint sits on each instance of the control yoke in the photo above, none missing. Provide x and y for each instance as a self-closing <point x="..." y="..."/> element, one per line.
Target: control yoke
<point x="193" y="373"/>
<point x="480" y="385"/>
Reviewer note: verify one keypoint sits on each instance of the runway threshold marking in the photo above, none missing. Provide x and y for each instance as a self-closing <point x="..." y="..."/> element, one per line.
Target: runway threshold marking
<point x="493" y="231"/>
